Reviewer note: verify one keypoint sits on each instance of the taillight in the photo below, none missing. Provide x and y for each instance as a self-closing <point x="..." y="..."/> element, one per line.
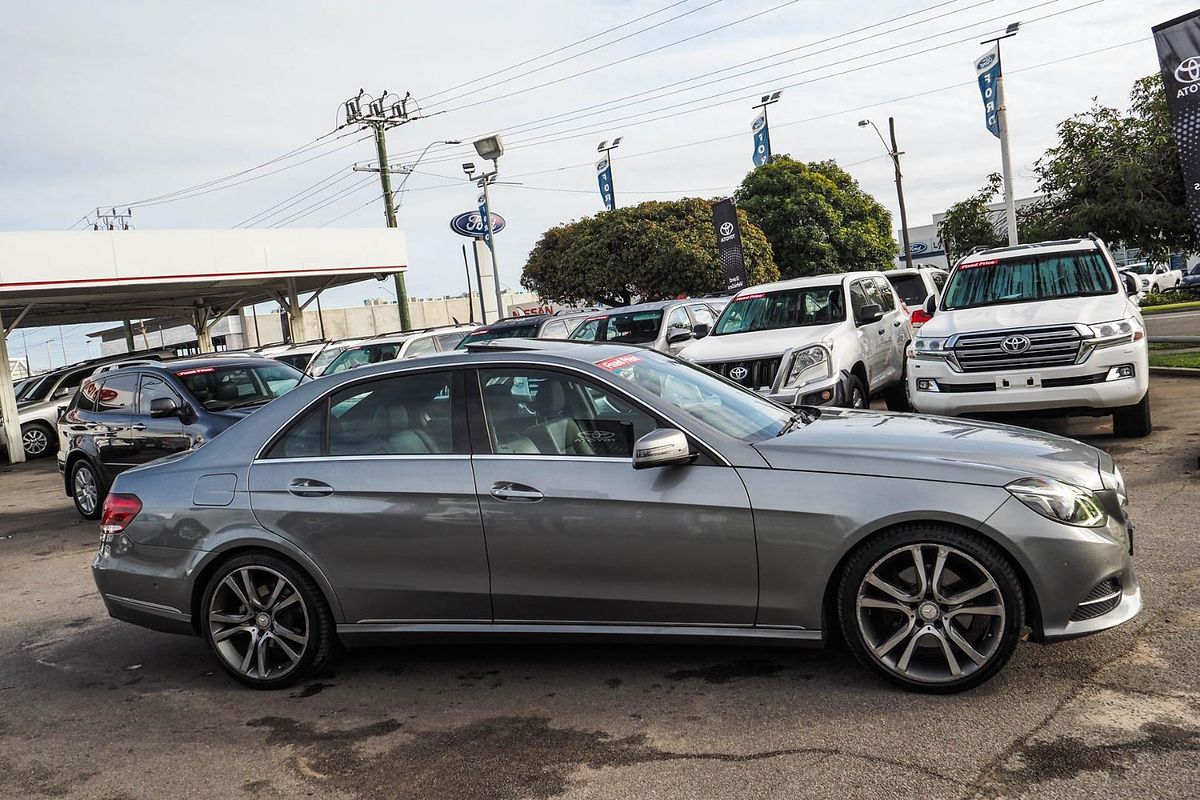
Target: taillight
<point x="119" y="511"/>
<point x="920" y="317"/>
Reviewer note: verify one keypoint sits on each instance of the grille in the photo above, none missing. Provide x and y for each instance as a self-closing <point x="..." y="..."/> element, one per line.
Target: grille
<point x="760" y="372"/>
<point x="1103" y="598"/>
<point x="1049" y="347"/>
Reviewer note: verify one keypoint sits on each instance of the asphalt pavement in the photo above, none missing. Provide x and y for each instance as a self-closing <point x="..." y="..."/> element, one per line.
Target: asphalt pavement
<point x="1179" y="323"/>
<point x="93" y="708"/>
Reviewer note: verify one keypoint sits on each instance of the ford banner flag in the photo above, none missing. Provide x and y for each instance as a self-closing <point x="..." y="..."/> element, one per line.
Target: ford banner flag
<point x="987" y="68"/>
<point x="483" y="218"/>
<point x="762" y="139"/>
<point x="604" y="178"/>
<point x="729" y="246"/>
<point x="1178" y="43"/>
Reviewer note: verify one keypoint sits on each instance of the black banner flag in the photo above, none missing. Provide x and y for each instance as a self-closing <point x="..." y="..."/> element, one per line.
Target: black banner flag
<point x="729" y="246"/>
<point x="1178" y="43"/>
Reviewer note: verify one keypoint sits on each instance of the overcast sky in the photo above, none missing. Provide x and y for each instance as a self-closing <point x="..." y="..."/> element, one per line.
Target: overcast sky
<point x="116" y="102"/>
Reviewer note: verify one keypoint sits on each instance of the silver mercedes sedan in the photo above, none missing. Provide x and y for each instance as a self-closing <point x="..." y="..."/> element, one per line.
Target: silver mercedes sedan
<point x="532" y="488"/>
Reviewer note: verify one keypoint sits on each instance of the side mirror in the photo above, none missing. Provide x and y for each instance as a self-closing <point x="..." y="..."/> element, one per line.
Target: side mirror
<point x="164" y="407"/>
<point x="662" y="448"/>
<point x="700" y="330"/>
<point x="677" y="335"/>
<point x="871" y="312"/>
<point x="930" y="304"/>
<point x="1131" y="284"/>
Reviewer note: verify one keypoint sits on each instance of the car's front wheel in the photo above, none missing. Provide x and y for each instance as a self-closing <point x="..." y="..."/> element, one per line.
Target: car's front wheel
<point x="36" y="439"/>
<point x="86" y="490"/>
<point x="266" y="621"/>
<point x="931" y="608"/>
<point x="1133" y="421"/>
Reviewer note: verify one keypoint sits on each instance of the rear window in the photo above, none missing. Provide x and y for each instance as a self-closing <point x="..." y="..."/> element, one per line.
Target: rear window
<point x="363" y="354"/>
<point x="911" y="288"/>
<point x="529" y="331"/>
<point x="993" y="281"/>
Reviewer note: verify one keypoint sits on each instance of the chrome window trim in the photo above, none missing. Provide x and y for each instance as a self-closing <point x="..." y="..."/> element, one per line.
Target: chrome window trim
<point x="367" y="457"/>
<point x="551" y="457"/>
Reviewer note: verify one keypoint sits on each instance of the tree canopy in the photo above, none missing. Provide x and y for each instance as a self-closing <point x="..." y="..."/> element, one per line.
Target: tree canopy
<point x="652" y="251"/>
<point x="816" y="218"/>
<point x="969" y="224"/>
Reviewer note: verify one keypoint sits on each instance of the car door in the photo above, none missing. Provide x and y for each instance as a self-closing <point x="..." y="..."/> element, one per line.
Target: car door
<point x="374" y="482"/>
<point x="110" y="430"/>
<point x="897" y="327"/>
<point x="153" y="438"/>
<point x="576" y="535"/>
<point x="871" y="335"/>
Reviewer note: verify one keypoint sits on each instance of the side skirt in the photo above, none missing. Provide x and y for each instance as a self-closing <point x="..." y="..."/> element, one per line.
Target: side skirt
<point x="389" y="632"/>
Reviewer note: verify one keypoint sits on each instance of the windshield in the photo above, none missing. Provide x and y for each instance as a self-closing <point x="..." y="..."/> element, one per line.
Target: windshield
<point x="700" y="395"/>
<point x="789" y="308"/>
<point x="1139" y="269"/>
<point x="323" y="359"/>
<point x="363" y="354"/>
<point x="38" y="388"/>
<point x="628" y="327"/>
<point x="1023" y="280"/>
<point x="234" y="385"/>
<point x="26" y="387"/>
<point x="911" y="288"/>
<point x="529" y="331"/>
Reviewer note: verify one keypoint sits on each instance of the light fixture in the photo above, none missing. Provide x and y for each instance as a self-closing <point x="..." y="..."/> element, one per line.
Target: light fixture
<point x="862" y="123"/>
<point x="468" y="167"/>
<point x="490" y="147"/>
<point x="1012" y="28"/>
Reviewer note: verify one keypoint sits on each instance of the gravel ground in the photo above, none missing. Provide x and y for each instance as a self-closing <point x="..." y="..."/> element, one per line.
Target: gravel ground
<point x="93" y="708"/>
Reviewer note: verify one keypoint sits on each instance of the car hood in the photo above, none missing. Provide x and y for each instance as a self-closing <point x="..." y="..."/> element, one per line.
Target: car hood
<point x="755" y="344"/>
<point x="1065" y="311"/>
<point x="931" y="448"/>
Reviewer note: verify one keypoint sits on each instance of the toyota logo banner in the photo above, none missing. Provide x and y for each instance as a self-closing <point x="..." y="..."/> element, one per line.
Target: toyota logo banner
<point x="1178" y="43"/>
<point x="729" y="245"/>
<point x="987" y="69"/>
<point x="762" y="139"/>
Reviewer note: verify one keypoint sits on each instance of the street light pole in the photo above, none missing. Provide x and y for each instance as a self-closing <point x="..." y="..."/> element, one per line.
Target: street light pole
<point x="767" y="100"/>
<point x="606" y="148"/>
<point x="894" y="152"/>
<point x="489" y="148"/>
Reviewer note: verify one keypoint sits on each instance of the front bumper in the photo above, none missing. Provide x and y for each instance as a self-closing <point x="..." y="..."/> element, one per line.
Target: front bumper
<point x="1080" y="387"/>
<point x="1064" y="564"/>
<point x="826" y="392"/>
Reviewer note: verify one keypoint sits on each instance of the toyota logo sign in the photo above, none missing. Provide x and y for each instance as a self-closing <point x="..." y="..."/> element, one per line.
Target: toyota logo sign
<point x="739" y="373"/>
<point x="1188" y="70"/>
<point x="726" y="228"/>
<point x="1015" y="345"/>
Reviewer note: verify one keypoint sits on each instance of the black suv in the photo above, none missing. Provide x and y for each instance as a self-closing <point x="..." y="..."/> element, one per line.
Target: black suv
<point x="135" y="414"/>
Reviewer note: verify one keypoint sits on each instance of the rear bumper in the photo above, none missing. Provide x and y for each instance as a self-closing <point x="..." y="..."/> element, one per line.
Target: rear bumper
<point x="145" y="585"/>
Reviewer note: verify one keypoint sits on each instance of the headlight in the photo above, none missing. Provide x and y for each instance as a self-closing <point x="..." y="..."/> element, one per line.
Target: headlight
<point x="1145" y="282"/>
<point x="1116" y="332"/>
<point x="808" y="364"/>
<point x="1059" y="501"/>
<point x="930" y="347"/>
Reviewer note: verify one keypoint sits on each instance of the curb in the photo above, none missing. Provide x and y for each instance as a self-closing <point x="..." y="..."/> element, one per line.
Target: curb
<point x="1176" y="372"/>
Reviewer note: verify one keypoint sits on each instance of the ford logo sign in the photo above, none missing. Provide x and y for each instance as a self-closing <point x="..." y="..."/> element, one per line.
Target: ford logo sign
<point x="985" y="62"/>
<point x="470" y="223"/>
<point x="916" y="248"/>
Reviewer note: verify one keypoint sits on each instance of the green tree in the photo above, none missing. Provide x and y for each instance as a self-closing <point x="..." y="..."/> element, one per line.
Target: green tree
<point x="651" y="251"/>
<point x="816" y="218"/>
<point x="1116" y="174"/>
<point x="969" y="224"/>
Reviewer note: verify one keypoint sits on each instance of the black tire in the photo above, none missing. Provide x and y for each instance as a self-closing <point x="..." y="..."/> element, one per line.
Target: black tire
<point x="856" y="393"/>
<point x="319" y="628"/>
<point x="37" y="440"/>
<point x="83" y="473"/>
<point x="896" y="395"/>
<point x="1133" y="422"/>
<point x="996" y="635"/>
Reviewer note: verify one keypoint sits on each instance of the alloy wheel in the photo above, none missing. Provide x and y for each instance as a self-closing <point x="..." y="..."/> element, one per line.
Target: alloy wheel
<point x="86" y="492"/>
<point x="259" y="623"/>
<point x="930" y="613"/>
<point x="35" y="441"/>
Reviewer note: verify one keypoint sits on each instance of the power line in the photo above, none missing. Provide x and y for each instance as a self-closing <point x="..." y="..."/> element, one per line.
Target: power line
<point x="351" y="211"/>
<point x="340" y="175"/>
<point x="492" y="75"/>
<point x="323" y="203"/>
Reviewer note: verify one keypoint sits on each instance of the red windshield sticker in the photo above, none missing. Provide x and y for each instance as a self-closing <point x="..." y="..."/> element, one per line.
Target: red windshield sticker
<point x="754" y="296"/>
<point x="183" y="373"/>
<point x="593" y="319"/>
<point x="974" y="264"/>
<point x="611" y="364"/>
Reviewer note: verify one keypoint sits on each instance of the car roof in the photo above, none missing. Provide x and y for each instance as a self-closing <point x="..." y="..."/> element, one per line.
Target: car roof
<point x="198" y="362"/>
<point x="653" y="305"/>
<point x="395" y="337"/>
<point x="812" y="280"/>
<point x="905" y="272"/>
<point x="1033" y="248"/>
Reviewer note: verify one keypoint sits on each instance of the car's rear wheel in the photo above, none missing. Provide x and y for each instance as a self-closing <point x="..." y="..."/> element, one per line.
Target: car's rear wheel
<point x="36" y="439"/>
<point x="931" y="608"/>
<point x="1133" y="421"/>
<point x="86" y="490"/>
<point x="896" y="395"/>
<point x="266" y="621"/>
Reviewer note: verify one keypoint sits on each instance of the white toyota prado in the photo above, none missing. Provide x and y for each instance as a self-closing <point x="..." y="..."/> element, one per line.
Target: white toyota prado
<point x="1046" y="328"/>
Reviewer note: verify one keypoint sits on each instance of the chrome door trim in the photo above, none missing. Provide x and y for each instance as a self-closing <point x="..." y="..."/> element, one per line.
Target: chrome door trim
<point x="733" y="632"/>
<point x="535" y="457"/>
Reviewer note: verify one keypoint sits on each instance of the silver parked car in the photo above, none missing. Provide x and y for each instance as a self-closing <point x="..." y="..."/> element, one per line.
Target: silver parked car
<point x="666" y="325"/>
<point x="535" y="487"/>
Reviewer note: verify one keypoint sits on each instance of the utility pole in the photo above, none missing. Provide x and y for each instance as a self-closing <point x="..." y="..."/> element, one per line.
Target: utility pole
<point x="1010" y="204"/>
<point x="113" y="220"/>
<point x="894" y="152"/>
<point x="380" y="115"/>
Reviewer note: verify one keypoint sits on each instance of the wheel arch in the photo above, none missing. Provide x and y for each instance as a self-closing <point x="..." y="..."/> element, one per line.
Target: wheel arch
<point x="73" y="458"/>
<point x="1033" y="613"/>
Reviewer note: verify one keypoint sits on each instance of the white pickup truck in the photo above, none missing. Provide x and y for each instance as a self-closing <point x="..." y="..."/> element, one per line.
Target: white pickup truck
<point x="1155" y="278"/>
<point x="827" y="340"/>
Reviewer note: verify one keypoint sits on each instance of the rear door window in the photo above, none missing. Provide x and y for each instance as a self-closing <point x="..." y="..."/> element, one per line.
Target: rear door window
<point x="885" y="294"/>
<point x="119" y="394"/>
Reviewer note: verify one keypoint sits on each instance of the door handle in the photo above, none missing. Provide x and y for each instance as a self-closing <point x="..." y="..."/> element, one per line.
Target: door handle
<point x="882" y="331"/>
<point x="515" y="492"/>
<point x="138" y="426"/>
<point x="896" y="324"/>
<point x="307" y="487"/>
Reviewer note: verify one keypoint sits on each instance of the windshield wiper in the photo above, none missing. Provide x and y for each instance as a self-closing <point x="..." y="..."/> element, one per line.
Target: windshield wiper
<point x="256" y="401"/>
<point x="805" y="415"/>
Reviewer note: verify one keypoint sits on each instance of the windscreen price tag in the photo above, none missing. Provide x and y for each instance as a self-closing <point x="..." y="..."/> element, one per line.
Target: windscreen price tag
<point x="612" y="364"/>
<point x="744" y="297"/>
<point x="183" y="373"/>
<point x="975" y="264"/>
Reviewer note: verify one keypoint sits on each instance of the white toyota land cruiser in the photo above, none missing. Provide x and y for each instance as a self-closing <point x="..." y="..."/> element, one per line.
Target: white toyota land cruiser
<point x="1045" y="328"/>
<point x="827" y="340"/>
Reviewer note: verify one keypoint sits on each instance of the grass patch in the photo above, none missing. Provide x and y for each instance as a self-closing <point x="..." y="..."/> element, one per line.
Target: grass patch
<point x="1190" y="304"/>
<point x="1168" y="359"/>
<point x="1173" y="346"/>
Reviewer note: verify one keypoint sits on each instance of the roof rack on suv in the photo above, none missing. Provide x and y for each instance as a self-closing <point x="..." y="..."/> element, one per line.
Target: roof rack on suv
<point x="455" y="324"/>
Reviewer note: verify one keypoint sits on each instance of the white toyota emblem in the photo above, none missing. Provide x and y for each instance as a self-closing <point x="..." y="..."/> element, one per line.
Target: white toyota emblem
<point x="1015" y="344"/>
<point x="739" y="373"/>
<point x="726" y="228"/>
<point x="1188" y="70"/>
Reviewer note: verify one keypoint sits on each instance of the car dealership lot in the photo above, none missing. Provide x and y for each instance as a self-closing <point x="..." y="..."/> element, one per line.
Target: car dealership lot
<point x="93" y="708"/>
